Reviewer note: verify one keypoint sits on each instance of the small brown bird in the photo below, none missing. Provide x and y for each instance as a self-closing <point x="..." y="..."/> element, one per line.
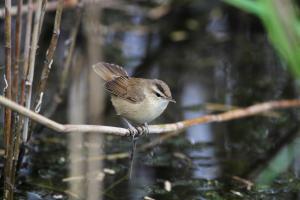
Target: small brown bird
<point x="135" y="99"/>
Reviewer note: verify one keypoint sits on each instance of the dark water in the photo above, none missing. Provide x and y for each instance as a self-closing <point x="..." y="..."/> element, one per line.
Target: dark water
<point x="212" y="56"/>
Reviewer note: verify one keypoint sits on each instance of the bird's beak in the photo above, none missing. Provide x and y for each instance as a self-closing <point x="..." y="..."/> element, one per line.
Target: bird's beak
<point x="172" y="100"/>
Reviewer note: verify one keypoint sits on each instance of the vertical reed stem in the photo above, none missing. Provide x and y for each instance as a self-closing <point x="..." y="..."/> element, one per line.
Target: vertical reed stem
<point x="7" y="70"/>
<point x="8" y="189"/>
<point x="15" y="87"/>
<point x="30" y="72"/>
<point x="57" y="99"/>
<point x="49" y="57"/>
<point x="26" y="54"/>
<point x="17" y="131"/>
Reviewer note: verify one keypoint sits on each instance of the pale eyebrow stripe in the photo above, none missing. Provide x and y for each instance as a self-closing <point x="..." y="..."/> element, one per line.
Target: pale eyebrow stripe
<point x="160" y="88"/>
<point x="155" y="89"/>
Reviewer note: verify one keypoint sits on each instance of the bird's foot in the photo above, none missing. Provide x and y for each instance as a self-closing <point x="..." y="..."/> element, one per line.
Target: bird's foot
<point x="134" y="132"/>
<point x="138" y="131"/>
<point x="145" y="129"/>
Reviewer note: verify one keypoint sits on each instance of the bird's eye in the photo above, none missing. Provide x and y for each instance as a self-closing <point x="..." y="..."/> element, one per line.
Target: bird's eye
<point x="158" y="94"/>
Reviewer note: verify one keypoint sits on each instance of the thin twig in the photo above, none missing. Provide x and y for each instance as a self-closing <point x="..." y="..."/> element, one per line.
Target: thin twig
<point x="27" y="43"/>
<point x="49" y="57"/>
<point x="48" y="61"/>
<point x="29" y="76"/>
<point x="44" y="9"/>
<point x="26" y="60"/>
<point x="67" y="64"/>
<point x="243" y="181"/>
<point x="153" y="129"/>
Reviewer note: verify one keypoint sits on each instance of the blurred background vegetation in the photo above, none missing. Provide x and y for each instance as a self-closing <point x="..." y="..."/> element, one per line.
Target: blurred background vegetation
<point x="214" y="56"/>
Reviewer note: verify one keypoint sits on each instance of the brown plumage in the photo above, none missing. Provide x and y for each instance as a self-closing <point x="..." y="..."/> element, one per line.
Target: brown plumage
<point x="119" y="87"/>
<point x="109" y="71"/>
<point x="117" y="82"/>
<point x="139" y="100"/>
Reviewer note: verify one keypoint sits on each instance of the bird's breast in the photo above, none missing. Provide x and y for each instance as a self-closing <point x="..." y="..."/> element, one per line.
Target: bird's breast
<point x="142" y="112"/>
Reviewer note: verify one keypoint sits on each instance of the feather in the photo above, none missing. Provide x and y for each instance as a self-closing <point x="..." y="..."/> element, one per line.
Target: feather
<point x="109" y="72"/>
<point x="119" y="87"/>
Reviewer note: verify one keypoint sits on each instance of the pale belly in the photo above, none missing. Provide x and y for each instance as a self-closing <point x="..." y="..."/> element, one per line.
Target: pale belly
<point x="143" y="112"/>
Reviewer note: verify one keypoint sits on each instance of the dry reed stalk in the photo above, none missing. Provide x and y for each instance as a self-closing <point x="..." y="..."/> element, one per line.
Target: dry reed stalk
<point x="67" y="64"/>
<point x="44" y="9"/>
<point x="30" y="71"/>
<point x="24" y="71"/>
<point x="15" y="86"/>
<point x="27" y="41"/>
<point x="49" y="58"/>
<point x="17" y="131"/>
<point x="16" y="62"/>
<point x="7" y="126"/>
<point x="26" y="60"/>
<point x="8" y="188"/>
<point x="48" y="61"/>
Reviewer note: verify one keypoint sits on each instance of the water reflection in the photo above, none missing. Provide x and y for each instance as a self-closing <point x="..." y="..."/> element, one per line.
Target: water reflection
<point x="204" y="159"/>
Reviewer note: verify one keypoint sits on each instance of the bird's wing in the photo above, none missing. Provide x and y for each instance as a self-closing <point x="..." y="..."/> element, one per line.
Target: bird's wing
<point x="124" y="88"/>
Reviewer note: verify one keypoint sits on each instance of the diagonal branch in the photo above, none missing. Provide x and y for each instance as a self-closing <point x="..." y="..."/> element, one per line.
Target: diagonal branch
<point x="153" y="129"/>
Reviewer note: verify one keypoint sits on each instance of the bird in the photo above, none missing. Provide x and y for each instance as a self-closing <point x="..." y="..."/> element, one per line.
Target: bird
<point x="136" y="100"/>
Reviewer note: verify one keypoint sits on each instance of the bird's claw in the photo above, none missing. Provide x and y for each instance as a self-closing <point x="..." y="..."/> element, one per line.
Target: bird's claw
<point x="134" y="132"/>
<point x="138" y="131"/>
<point x="145" y="129"/>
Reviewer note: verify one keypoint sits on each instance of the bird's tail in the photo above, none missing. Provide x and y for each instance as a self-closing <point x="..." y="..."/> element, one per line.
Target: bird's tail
<point x="109" y="71"/>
